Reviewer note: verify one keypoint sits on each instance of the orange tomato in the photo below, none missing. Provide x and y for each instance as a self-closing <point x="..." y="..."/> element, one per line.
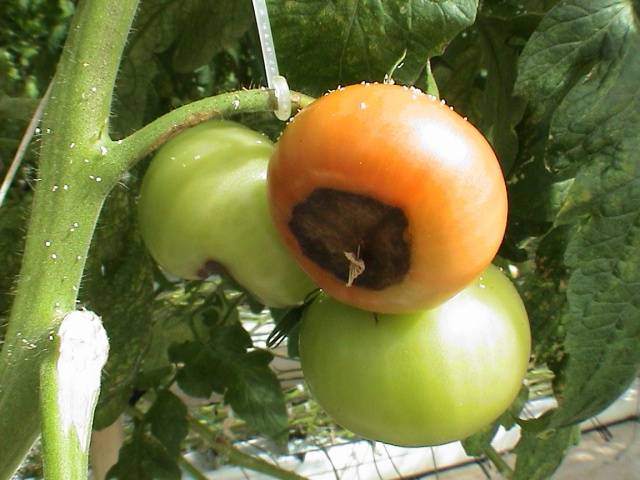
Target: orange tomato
<point x="388" y="199"/>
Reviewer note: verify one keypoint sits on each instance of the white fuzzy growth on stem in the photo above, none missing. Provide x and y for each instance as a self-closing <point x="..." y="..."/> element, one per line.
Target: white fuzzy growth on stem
<point x="84" y="348"/>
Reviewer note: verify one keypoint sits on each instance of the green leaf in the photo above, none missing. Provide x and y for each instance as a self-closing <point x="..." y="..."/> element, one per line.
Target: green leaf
<point x="170" y="325"/>
<point x="210" y="26"/>
<point x="144" y="458"/>
<point x="168" y="419"/>
<point x="222" y="363"/>
<point x="254" y="393"/>
<point x="431" y="86"/>
<point x="191" y="31"/>
<point x="198" y="374"/>
<point x="323" y="44"/>
<point x="539" y="455"/>
<point x="603" y="321"/>
<point x="540" y="197"/>
<point x="509" y="9"/>
<point x="118" y="286"/>
<point x="501" y="110"/>
<point x="579" y="71"/>
<point x="544" y="292"/>
<point x="476" y="76"/>
<point x="576" y="44"/>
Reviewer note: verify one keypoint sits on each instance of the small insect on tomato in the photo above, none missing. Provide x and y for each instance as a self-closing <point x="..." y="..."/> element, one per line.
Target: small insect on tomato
<point x="388" y="199"/>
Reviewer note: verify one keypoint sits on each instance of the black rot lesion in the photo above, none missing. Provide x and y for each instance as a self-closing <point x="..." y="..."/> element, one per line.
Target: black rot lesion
<point x="333" y="225"/>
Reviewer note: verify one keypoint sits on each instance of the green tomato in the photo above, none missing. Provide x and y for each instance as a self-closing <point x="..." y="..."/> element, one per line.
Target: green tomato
<point x="203" y="210"/>
<point x="419" y="379"/>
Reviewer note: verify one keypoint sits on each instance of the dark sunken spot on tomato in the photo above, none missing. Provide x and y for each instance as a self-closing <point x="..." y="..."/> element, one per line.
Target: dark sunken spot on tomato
<point x="212" y="267"/>
<point x="329" y="223"/>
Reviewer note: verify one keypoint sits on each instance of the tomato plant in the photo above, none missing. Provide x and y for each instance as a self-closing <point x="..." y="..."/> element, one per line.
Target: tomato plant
<point x="390" y="201"/>
<point x="203" y="210"/>
<point x="550" y="84"/>
<point x="424" y="378"/>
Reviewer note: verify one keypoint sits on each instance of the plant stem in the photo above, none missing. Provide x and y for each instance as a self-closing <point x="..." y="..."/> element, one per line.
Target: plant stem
<point x="236" y="457"/>
<point x="74" y="179"/>
<point x="79" y="164"/>
<point x="188" y="467"/>
<point x="70" y="383"/>
<point x="158" y="132"/>
<point x="503" y="467"/>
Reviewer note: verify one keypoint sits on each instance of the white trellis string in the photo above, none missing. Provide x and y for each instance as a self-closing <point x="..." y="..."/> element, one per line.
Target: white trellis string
<point x="275" y="81"/>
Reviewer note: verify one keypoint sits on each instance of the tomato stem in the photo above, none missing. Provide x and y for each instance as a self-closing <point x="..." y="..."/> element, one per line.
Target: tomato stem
<point x="74" y="177"/>
<point x="503" y="467"/>
<point x="236" y="457"/>
<point x="191" y="469"/>
<point x="158" y="132"/>
<point x="70" y="384"/>
<point x="79" y="165"/>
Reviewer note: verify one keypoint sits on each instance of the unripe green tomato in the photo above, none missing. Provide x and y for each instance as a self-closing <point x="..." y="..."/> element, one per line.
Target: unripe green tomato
<point x="203" y="210"/>
<point x="419" y="379"/>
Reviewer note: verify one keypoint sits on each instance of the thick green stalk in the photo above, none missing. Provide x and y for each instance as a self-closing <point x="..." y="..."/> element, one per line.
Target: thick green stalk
<point x="69" y="388"/>
<point x="75" y="175"/>
<point x="79" y="164"/>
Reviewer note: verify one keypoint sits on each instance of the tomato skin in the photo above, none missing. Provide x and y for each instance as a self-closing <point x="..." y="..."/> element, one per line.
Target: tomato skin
<point x="203" y="199"/>
<point x="407" y="150"/>
<point x="419" y="379"/>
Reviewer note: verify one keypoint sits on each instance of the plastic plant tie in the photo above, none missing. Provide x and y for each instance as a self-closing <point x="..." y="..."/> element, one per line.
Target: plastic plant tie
<point x="275" y="81"/>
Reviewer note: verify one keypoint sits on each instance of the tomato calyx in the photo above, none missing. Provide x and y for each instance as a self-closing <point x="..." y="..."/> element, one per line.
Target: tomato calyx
<point x="288" y="322"/>
<point x="357" y="238"/>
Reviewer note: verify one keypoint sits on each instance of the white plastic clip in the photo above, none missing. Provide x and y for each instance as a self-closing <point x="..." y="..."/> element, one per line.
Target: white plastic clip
<point x="275" y="81"/>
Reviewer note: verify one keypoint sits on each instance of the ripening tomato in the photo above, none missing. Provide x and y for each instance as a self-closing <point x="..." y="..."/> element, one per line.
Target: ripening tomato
<point x="387" y="198"/>
<point x="423" y="378"/>
<point x="203" y="210"/>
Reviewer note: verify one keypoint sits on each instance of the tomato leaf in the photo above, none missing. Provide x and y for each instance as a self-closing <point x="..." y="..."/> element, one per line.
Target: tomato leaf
<point x="166" y="27"/>
<point x="544" y="291"/>
<point x="168" y="419"/>
<point x="119" y="287"/>
<point x="579" y="72"/>
<point x="196" y="377"/>
<point x="144" y="458"/>
<point x="477" y="74"/>
<point x="351" y="41"/>
<point x="515" y="9"/>
<point x="222" y="363"/>
<point x="539" y="455"/>
<point x="254" y="393"/>
<point x="210" y="25"/>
